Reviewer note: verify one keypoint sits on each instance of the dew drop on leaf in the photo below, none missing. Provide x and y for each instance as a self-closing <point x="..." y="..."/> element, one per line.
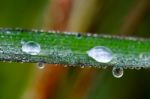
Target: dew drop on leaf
<point x="117" y="72"/>
<point x="8" y="32"/>
<point x="31" y="48"/>
<point x="101" y="54"/>
<point x="137" y="68"/>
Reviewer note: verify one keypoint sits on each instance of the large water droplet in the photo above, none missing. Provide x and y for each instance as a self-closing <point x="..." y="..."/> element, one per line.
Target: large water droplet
<point x="40" y="65"/>
<point x="117" y="72"/>
<point x="31" y="48"/>
<point x="101" y="54"/>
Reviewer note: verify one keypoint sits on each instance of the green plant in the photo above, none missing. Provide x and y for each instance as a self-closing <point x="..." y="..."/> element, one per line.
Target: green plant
<point x="71" y="49"/>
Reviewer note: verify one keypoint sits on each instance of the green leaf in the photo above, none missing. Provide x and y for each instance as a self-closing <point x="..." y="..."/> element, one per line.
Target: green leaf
<point x="71" y="48"/>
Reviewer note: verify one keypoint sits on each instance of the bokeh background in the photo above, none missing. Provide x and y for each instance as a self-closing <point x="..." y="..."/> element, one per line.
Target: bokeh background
<point x="117" y="17"/>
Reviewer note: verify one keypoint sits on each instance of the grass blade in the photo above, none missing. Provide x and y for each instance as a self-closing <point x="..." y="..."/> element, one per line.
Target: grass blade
<point x="71" y="48"/>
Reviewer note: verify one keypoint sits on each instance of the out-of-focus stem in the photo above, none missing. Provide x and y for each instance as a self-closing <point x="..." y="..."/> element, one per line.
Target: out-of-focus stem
<point x="134" y="18"/>
<point x="83" y="12"/>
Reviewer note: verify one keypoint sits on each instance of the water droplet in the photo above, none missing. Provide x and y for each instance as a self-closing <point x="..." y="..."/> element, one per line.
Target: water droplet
<point x="8" y="32"/>
<point x="22" y="42"/>
<point x="117" y="72"/>
<point x="145" y="67"/>
<point x="131" y="67"/>
<point x="104" y="67"/>
<point x="141" y="55"/>
<point x="89" y="34"/>
<point x="95" y="35"/>
<point x="78" y="35"/>
<point x="31" y="48"/>
<point x="1" y="51"/>
<point x="101" y="54"/>
<point x="9" y="61"/>
<point x="2" y="36"/>
<point x="125" y="67"/>
<point x="65" y="65"/>
<point x="137" y="68"/>
<point x="40" y="65"/>
<point x="82" y="66"/>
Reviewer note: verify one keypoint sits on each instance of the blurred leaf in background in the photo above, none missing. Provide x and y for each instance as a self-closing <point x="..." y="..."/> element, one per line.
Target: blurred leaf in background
<point x="24" y="81"/>
<point x="23" y="14"/>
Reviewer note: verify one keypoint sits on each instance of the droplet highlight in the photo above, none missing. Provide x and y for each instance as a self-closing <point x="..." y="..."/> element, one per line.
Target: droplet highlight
<point x="31" y="48"/>
<point x="117" y="72"/>
<point x="101" y="54"/>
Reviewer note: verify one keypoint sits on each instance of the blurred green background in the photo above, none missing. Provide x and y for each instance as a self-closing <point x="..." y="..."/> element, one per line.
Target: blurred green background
<point x="118" y="17"/>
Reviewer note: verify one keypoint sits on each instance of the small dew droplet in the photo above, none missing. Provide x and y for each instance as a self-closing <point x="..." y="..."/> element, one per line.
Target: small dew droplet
<point x="31" y="48"/>
<point x="22" y="42"/>
<point x="82" y="66"/>
<point x="104" y="67"/>
<point x="137" y="68"/>
<point x="141" y="55"/>
<point x="8" y="32"/>
<point x="101" y="54"/>
<point x="117" y="72"/>
<point x="40" y="65"/>
<point x="78" y="35"/>
<point x="65" y="65"/>
<point x="89" y="66"/>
